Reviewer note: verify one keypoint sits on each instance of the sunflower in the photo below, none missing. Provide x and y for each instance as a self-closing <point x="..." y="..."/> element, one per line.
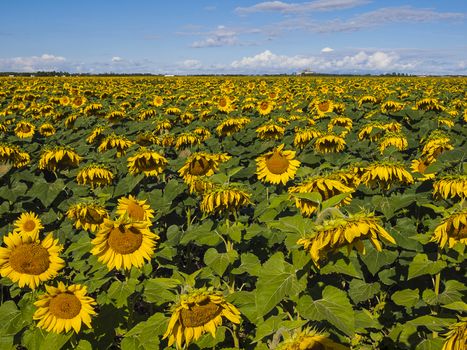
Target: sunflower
<point x="335" y="233"/>
<point x="372" y="131"/>
<point x="59" y="158"/>
<point x="437" y="143"/>
<point x="78" y="101"/>
<point x="116" y="116"/>
<point x="457" y="335"/>
<point x="187" y="139"/>
<point x="419" y="166"/>
<point x="196" y="313"/>
<point x="304" y="136"/>
<point x="124" y="243"/>
<point x="326" y="186"/>
<point x="367" y="99"/>
<point x="146" y="138"/>
<point x="63" y="308"/>
<point x="329" y="143"/>
<point x="224" y="104"/>
<point x="231" y="125"/>
<point x="162" y="126"/>
<point x="453" y="229"/>
<point x="173" y="111"/>
<point x="120" y="143"/>
<point x="227" y="198"/>
<point x="148" y="162"/>
<point x="383" y="174"/>
<point x="28" y="224"/>
<point x="201" y="164"/>
<point x="309" y="339"/>
<point x="64" y="101"/>
<point x="200" y="185"/>
<point x="95" y="175"/>
<point x="89" y="216"/>
<point x="277" y="166"/>
<point x="391" y="107"/>
<point x="323" y="107"/>
<point x="270" y="130"/>
<point x="22" y="159"/>
<point x="28" y="260"/>
<point x="343" y="122"/>
<point x="265" y="107"/>
<point x="451" y="186"/>
<point x="24" y="129"/>
<point x="13" y="154"/>
<point x="157" y="101"/>
<point x="429" y="104"/>
<point x="96" y="134"/>
<point x="47" y="129"/>
<point x="397" y="140"/>
<point x="135" y="209"/>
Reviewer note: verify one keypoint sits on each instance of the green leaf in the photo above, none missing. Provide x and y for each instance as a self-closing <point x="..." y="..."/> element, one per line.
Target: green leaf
<point x="120" y="291"/>
<point x="159" y="290"/>
<point x="364" y="320"/>
<point x="219" y="262"/>
<point x="277" y="280"/>
<point x="201" y="234"/>
<point x="432" y="323"/>
<point x="46" y="192"/>
<point x="84" y="345"/>
<point x="406" y="297"/>
<point x="360" y="290"/>
<point x="38" y="339"/>
<point x="11" y="320"/>
<point x="146" y="334"/>
<point x="458" y="306"/>
<point x="342" y="266"/>
<point x="333" y="201"/>
<point x="334" y="307"/>
<point x="430" y="344"/>
<point x="375" y="260"/>
<point x="314" y="197"/>
<point x="127" y="184"/>
<point x="422" y="266"/>
<point x="249" y="264"/>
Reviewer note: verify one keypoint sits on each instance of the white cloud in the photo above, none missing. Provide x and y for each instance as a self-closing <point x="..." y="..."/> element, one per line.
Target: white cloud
<point x="45" y="62"/>
<point x="222" y="36"/>
<point x="317" y="5"/>
<point x="327" y="49"/>
<point x="269" y="60"/>
<point x="116" y="59"/>
<point x="191" y="64"/>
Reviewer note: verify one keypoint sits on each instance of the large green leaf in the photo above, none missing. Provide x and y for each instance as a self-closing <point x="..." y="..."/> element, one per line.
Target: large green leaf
<point x="219" y="262"/>
<point x="360" y="290"/>
<point x="406" y="297"/>
<point x="421" y="265"/>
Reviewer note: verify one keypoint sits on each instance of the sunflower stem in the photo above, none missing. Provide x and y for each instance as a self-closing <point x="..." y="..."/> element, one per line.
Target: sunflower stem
<point x="235" y="336"/>
<point x="188" y="218"/>
<point x="436" y="287"/>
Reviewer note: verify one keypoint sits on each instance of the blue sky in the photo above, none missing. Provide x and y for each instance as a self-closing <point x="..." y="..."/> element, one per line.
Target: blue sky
<point x="202" y="36"/>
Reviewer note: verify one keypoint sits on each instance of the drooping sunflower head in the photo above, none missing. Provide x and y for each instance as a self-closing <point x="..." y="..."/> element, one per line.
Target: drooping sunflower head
<point x="24" y="129"/>
<point x="148" y="162"/>
<point x="47" y="129"/>
<point x="429" y="104"/>
<point x="13" y="154"/>
<point x="135" y="209"/>
<point x="186" y="139"/>
<point x="385" y="174"/>
<point x="226" y="198"/>
<point x="391" y="107"/>
<point x="118" y="142"/>
<point x="395" y="139"/>
<point x="231" y="125"/>
<point x="59" y="157"/>
<point x="343" y="122"/>
<point x="451" y="186"/>
<point x="28" y="224"/>
<point x="95" y="175"/>
<point x="309" y="339"/>
<point x="277" y="166"/>
<point x="270" y="130"/>
<point x="89" y="216"/>
<point x="304" y="136"/>
<point x="28" y="261"/>
<point x="456" y="336"/>
<point x="63" y="308"/>
<point x="329" y="143"/>
<point x="419" y="166"/>
<point x="372" y="131"/>
<point x="437" y="143"/>
<point x="96" y="134"/>
<point x="201" y="164"/>
<point x="198" y="312"/>
<point x="452" y="230"/>
<point x="367" y="99"/>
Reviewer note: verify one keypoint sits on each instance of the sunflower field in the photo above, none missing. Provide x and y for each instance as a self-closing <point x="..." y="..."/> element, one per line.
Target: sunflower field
<point x="233" y="213"/>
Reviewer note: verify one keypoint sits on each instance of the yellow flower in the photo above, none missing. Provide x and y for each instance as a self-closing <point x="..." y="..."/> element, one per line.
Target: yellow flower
<point x="304" y="136"/>
<point x="348" y="232"/>
<point x="89" y="216"/>
<point x="231" y="125"/>
<point x="95" y="175"/>
<point x="157" y="101"/>
<point x="453" y="229"/>
<point x="135" y="209"/>
<point x="457" y="335"/>
<point x="28" y="224"/>
<point x="391" y="107"/>
<point x="343" y="122"/>
<point x="59" y="158"/>
<point x="385" y="174"/>
<point x="323" y="107"/>
<point x="201" y="164"/>
<point x="24" y="129"/>
<point x="47" y="129"/>
<point x="78" y="101"/>
<point x="265" y="107"/>
<point x="394" y="139"/>
<point x="270" y="131"/>
<point x="329" y="143"/>
<point x="450" y="186"/>
<point x="148" y="162"/>
<point x="326" y="186"/>
<point x="124" y="243"/>
<point x="96" y="133"/>
<point x="419" y="166"/>
<point x="367" y="99"/>
<point x="28" y="260"/>
<point x="187" y="139"/>
<point x="196" y="313"/>
<point x="277" y="166"/>
<point x="227" y="198"/>
<point x="120" y="143"/>
<point x="203" y="133"/>
<point x="14" y="155"/>
<point x="309" y="339"/>
<point x="429" y="104"/>
<point x="225" y="104"/>
<point x="63" y="308"/>
<point x="437" y="143"/>
<point x="372" y="131"/>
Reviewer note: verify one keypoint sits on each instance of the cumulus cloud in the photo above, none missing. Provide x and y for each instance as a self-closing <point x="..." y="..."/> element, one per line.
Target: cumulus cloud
<point x="191" y="64"/>
<point x="327" y="49"/>
<point x="116" y="59"/>
<point x="284" y="7"/>
<point x="362" y="61"/>
<point x="223" y="36"/>
<point x="45" y="62"/>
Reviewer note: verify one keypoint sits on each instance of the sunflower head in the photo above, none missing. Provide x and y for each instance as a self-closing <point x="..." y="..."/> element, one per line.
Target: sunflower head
<point x="277" y="166"/>
<point x="89" y="216"/>
<point x="304" y="136"/>
<point x="113" y="141"/>
<point x="124" y="243"/>
<point x="265" y="107"/>
<point x="450" y="186"/>
<point x="323" y="107"/>
<point x="24" y="129"/>
<point x="231" y="125"/>
<point x="456" y="336"/>
<point x="329" y="143"/>
<point x="385" y="174"/>
<point x="95" y="175"/>
<point x="148" y="162"/>
<point x="309" y="339"/>
<point x="452" y="230"/>
<point x="395" y="139"/>
<point x="28" y="224"/>
<point x="187" y="139"/>
<point x="270" y="130"/>
<point x="198" y="312"/>
<point x="28" y="260"/>
<point x="201" y="164"/>
<point x="226" y="198"/>
<point x="47" y="129"/>
<point x="64" y="308"/>
<point x="135" y="209"/>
